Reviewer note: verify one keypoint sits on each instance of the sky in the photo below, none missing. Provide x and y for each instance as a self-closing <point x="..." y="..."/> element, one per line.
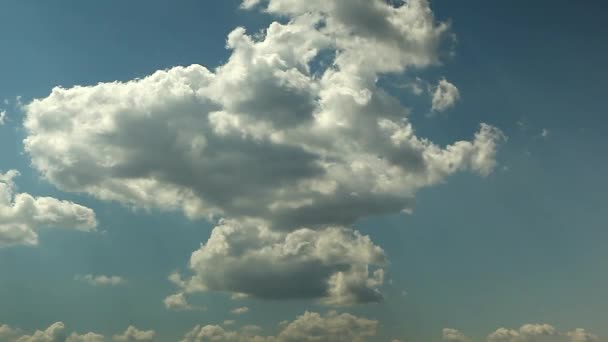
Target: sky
<point x="282" y="170"/>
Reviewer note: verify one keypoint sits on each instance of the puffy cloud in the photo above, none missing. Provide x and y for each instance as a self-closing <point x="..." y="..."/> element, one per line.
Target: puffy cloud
<point x="263" y="136"/>
<point x="293" y="137"/>
<point x="101" y="280"/>
<point x="54" y="333"/>
<point x="333" y="327"/>
<point x="240" y="311"/>
<point x="132" y="334"/>
<point x="22" y="214"/>
<point x="453" y="335"/>
<point x="2" y="117"/>
<point x="445" y="96"/>
<point x="528" y="332"/>
<point x="178" y="302"/>
<point x="311" y="326"/>
<point x="333" y="264"/>
<point x="580" y="335"/>
<point x="8" y="333"/>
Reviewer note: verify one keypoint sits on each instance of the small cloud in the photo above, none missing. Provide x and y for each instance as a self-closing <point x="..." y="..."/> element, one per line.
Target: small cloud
<point x="2" y="117"/>
<point x="249" y="4"/>
<point x="177" y="302"/>
<point x="240" y="311"/>
<point x="404" y="293"/>
<point x="545" y="133"/>
<point x="238" y="296"/>
<point x="229" y="322"/>
<point x="134" y="334"/>
<point x="101" y="280"/>
<point x="522" y="124"/>
<point x="445" y="97"/>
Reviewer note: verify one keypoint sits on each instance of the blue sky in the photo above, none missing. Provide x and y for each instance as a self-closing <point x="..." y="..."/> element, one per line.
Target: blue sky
<point x="523" y="244"/>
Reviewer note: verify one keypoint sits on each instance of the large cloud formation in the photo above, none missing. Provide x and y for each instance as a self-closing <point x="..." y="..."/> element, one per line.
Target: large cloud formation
<point x="292" y="139"/>
<point x="22" y="214"/>
<point x="310" y="326"/>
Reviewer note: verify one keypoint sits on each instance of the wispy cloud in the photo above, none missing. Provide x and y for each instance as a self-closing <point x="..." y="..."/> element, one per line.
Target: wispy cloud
<point x="101" y="280"/>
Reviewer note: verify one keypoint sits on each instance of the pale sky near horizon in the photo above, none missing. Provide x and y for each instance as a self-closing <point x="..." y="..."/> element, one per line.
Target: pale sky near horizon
<point x="323" y="170"/>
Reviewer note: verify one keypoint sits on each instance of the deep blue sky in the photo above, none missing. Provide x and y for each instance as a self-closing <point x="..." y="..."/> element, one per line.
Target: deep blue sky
<point x="526" y="244"/>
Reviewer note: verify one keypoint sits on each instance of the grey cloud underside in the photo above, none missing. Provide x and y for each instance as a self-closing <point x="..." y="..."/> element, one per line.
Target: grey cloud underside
<point x="272" y="139"/>
<point x="335" y="264"/>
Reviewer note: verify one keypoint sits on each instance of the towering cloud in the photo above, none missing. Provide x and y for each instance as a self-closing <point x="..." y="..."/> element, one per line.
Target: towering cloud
<point x="22" y="214"/>
<point x="291" y="141"/>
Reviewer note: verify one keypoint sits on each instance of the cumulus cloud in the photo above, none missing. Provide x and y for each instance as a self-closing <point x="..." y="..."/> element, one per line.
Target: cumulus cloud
<point x="527" y="333"/>
<point x="453" y="335"/>
<point x="310" y="326"/>
<point x="288" y="148"/>
<point x="333" y="264"/>
<point x="240" y="311"/>
<point x="56" y="333"/>
<point x="132" y="334"/>
<point x="21" y="214"/>
<point x="445" y="96"/>
<point x="7" y="333"/>
<point x="2" y="117"/>
<point x="101" y="280"/>
<point x="179" y="302"/>
<point x="581" y="335"/>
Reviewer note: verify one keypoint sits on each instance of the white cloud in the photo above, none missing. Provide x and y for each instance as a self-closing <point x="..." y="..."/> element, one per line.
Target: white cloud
<point x="581" y="335"/>
<point x="88" y="337"/>
<point x="178" y="302"/>
<point x="21" y="214"/>
<point x="101" y="280"/>
<point x="2" y="117"/>
<point x="8" y="333"/>
<point x="132" y="334"/>
<point x="249" y="4"/>
<point x="333" y="264"/>
<point x="54" y="333"/>
<point x="273" y="139"/>
<point x="240" y="311"/>
<point x="453" y="335"/>
<point x="445" y="96"/>
<point x="527" y="333"/>
<point x="310" y="326"/>
<point x="545" y="133"/>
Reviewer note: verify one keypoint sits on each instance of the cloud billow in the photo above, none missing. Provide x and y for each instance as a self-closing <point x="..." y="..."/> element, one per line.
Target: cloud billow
<point x="281" y="150"/>
<point x="22" y="215"/>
